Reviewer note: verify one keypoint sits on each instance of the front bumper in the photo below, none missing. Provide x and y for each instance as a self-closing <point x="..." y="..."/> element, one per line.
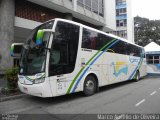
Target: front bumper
<point x="40" y="90"/>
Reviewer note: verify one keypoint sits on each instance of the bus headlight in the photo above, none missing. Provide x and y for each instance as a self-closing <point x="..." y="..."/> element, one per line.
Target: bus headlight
<point x="39" y="80"/>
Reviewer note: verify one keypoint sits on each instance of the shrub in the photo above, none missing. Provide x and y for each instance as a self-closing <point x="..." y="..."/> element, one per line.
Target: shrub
<point x="11" y="75"/>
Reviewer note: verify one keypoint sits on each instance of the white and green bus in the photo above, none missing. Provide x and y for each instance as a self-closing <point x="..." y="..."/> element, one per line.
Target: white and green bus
<point x="62" y="57"/>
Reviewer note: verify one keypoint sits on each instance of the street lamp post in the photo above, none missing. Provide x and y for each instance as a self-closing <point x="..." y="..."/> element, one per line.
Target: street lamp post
<point x="137" y="35"/>
<point x="137" y="25"/>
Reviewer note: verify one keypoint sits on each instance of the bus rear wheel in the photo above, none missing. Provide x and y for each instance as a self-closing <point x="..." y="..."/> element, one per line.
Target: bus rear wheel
<point x="89" y="85"/>
<point x="137" y="76"/>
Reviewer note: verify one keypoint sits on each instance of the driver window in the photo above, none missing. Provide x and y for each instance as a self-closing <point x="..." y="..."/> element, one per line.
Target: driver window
<point x="64" y="48"/>
<point x="55" y="57"/>
<point x="59" y="54"/>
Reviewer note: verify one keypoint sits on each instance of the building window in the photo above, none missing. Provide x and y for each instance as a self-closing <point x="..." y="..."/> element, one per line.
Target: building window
<point x="96" y="6"/>
<point x="121" y="33"/>
<point x="101" y="8"/>
<point x="120" y="2"/>
<point x="88" y="4"/>
<point x="121" y="11"/>
<point x="153" y="59"/>
<point x="80" y="3"/>
<point x="121" y="23"/>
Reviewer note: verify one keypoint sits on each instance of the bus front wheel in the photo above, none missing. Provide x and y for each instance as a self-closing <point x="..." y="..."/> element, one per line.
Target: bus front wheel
<point x="89" y="85"/>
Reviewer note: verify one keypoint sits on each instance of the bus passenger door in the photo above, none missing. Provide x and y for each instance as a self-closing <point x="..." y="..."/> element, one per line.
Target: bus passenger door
<point x="63" y="56"/>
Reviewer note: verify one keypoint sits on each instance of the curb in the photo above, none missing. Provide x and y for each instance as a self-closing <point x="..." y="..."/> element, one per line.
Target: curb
<point x="153" y="76"/>
<point x="12" y="97"/>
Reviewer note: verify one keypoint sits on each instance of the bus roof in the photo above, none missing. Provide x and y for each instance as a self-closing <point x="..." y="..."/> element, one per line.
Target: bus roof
<point x="108" y="34"/>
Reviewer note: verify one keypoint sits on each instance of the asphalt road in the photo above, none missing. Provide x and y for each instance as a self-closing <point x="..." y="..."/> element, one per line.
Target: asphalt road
<point x="141" y="97"/>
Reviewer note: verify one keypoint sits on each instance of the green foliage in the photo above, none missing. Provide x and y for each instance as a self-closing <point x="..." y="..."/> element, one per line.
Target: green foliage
<point x="146" y="31"/>
<point x="5" y="91"/>
<point x="11" y="75"/>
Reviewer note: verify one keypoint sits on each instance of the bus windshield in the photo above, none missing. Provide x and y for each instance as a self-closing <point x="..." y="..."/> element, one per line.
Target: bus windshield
<point x="33" y="57"/>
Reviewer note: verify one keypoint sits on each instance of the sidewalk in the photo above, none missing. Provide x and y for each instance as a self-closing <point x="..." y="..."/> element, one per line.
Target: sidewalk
<point x="11" y="96"/>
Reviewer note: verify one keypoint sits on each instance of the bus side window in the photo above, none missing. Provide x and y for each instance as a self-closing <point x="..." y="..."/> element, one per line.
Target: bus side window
<point x="93" y="43"/>
<point x="89" y="39"/>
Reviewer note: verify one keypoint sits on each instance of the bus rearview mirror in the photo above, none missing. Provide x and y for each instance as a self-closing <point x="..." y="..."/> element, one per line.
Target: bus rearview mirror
<point x="15" y="49"/>
<point x="40" y="34"/>
<point x="12" y="50"/>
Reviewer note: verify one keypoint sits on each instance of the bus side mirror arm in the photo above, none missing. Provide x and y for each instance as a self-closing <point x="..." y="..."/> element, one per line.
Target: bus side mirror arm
<point x="48" y="49"/>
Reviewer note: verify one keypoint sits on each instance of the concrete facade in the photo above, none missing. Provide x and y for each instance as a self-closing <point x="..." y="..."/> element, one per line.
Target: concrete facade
<point x="110" y="13"/>
<point x="130" y="23"/>
<point x="7" y="14"/>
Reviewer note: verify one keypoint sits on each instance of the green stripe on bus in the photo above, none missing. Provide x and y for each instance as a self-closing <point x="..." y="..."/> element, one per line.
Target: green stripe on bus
<point x="29" y="79"/>
<point x="70" y="87"/>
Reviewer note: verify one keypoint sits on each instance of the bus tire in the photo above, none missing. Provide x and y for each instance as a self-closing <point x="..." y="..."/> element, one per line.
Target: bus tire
<point x="137" y="76"/>
<point x="89" y="85"/>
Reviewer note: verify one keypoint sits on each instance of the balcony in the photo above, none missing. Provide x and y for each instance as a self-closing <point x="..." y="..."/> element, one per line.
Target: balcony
<point x="119" y="6"/>
<point x="121" y="17"/>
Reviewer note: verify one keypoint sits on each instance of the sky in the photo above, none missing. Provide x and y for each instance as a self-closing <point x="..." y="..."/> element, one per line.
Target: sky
<point x="146" y="8"/>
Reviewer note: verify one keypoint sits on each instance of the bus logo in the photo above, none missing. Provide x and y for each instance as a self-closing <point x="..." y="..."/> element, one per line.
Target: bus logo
<point x="119" y="68"/>
<point x="132" y="59"/>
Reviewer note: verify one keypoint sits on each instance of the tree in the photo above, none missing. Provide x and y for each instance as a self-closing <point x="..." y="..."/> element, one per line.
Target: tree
<point x="146" y="31"/>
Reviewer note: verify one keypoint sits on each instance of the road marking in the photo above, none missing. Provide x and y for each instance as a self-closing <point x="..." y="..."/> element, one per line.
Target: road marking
<point x="140" y="102"/>
<point x="153" y="93"/>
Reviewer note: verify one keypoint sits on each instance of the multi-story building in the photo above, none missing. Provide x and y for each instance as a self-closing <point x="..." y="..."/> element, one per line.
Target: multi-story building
<point x="123" y="19"/>
<point x="19" y="17"/>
